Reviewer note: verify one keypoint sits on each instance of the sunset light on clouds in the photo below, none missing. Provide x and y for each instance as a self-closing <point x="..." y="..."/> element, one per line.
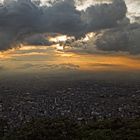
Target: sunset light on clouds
<point x="80" y="35"/>
<point x="69" y="69"/>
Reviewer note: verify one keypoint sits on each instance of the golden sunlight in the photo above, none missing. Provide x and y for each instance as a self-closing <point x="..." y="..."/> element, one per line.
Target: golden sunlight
<point x="6" y="54"/>
<point x="55" y="54"/>
<point x="57" y="39"/>
<point x="59" y="47"/>
<point x="88" y="36"/>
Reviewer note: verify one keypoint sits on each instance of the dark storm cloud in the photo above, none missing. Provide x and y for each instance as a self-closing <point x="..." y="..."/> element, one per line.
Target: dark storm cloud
<point x="104" y="15"/>
<point x="63" y="18"/>
<point x="37" y="39"/>
<point x="16" y="20"/>
<point x="124" y="39"/>
<point x="23" y="18"/>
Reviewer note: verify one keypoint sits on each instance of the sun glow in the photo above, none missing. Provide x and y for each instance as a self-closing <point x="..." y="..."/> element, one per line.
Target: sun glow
<point x="6" y="54"/>
<point x="88" y="37"/>
<point x="57" y="39"/>
<point x="26" y="48"/>
<point x="55" y="54"/>
<point x="59" y="47"/>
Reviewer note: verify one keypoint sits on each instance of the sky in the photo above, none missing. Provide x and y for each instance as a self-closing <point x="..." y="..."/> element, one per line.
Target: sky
<point x="69" y="36"/>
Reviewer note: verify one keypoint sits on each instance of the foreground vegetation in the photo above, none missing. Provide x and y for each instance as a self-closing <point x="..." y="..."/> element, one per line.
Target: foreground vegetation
<point x="65" y="129"/>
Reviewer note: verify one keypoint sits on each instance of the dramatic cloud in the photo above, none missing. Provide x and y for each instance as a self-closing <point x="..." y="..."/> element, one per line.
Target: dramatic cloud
<point x="22" y="18"/>
<point x="133" y="10"/>
<point x="37" y="39"/>
<point x="62" y="18"/>
<point x="17" y="18"/>
<point x="121" y="39"/>
<point x="104" y="15"/>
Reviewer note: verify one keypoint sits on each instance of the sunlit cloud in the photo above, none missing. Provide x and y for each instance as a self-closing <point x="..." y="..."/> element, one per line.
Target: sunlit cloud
<point x="59" y="38"/>
<point x="133" y="9"/>
<point x="95" y="36"/>
<point x="50" y="59"/>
